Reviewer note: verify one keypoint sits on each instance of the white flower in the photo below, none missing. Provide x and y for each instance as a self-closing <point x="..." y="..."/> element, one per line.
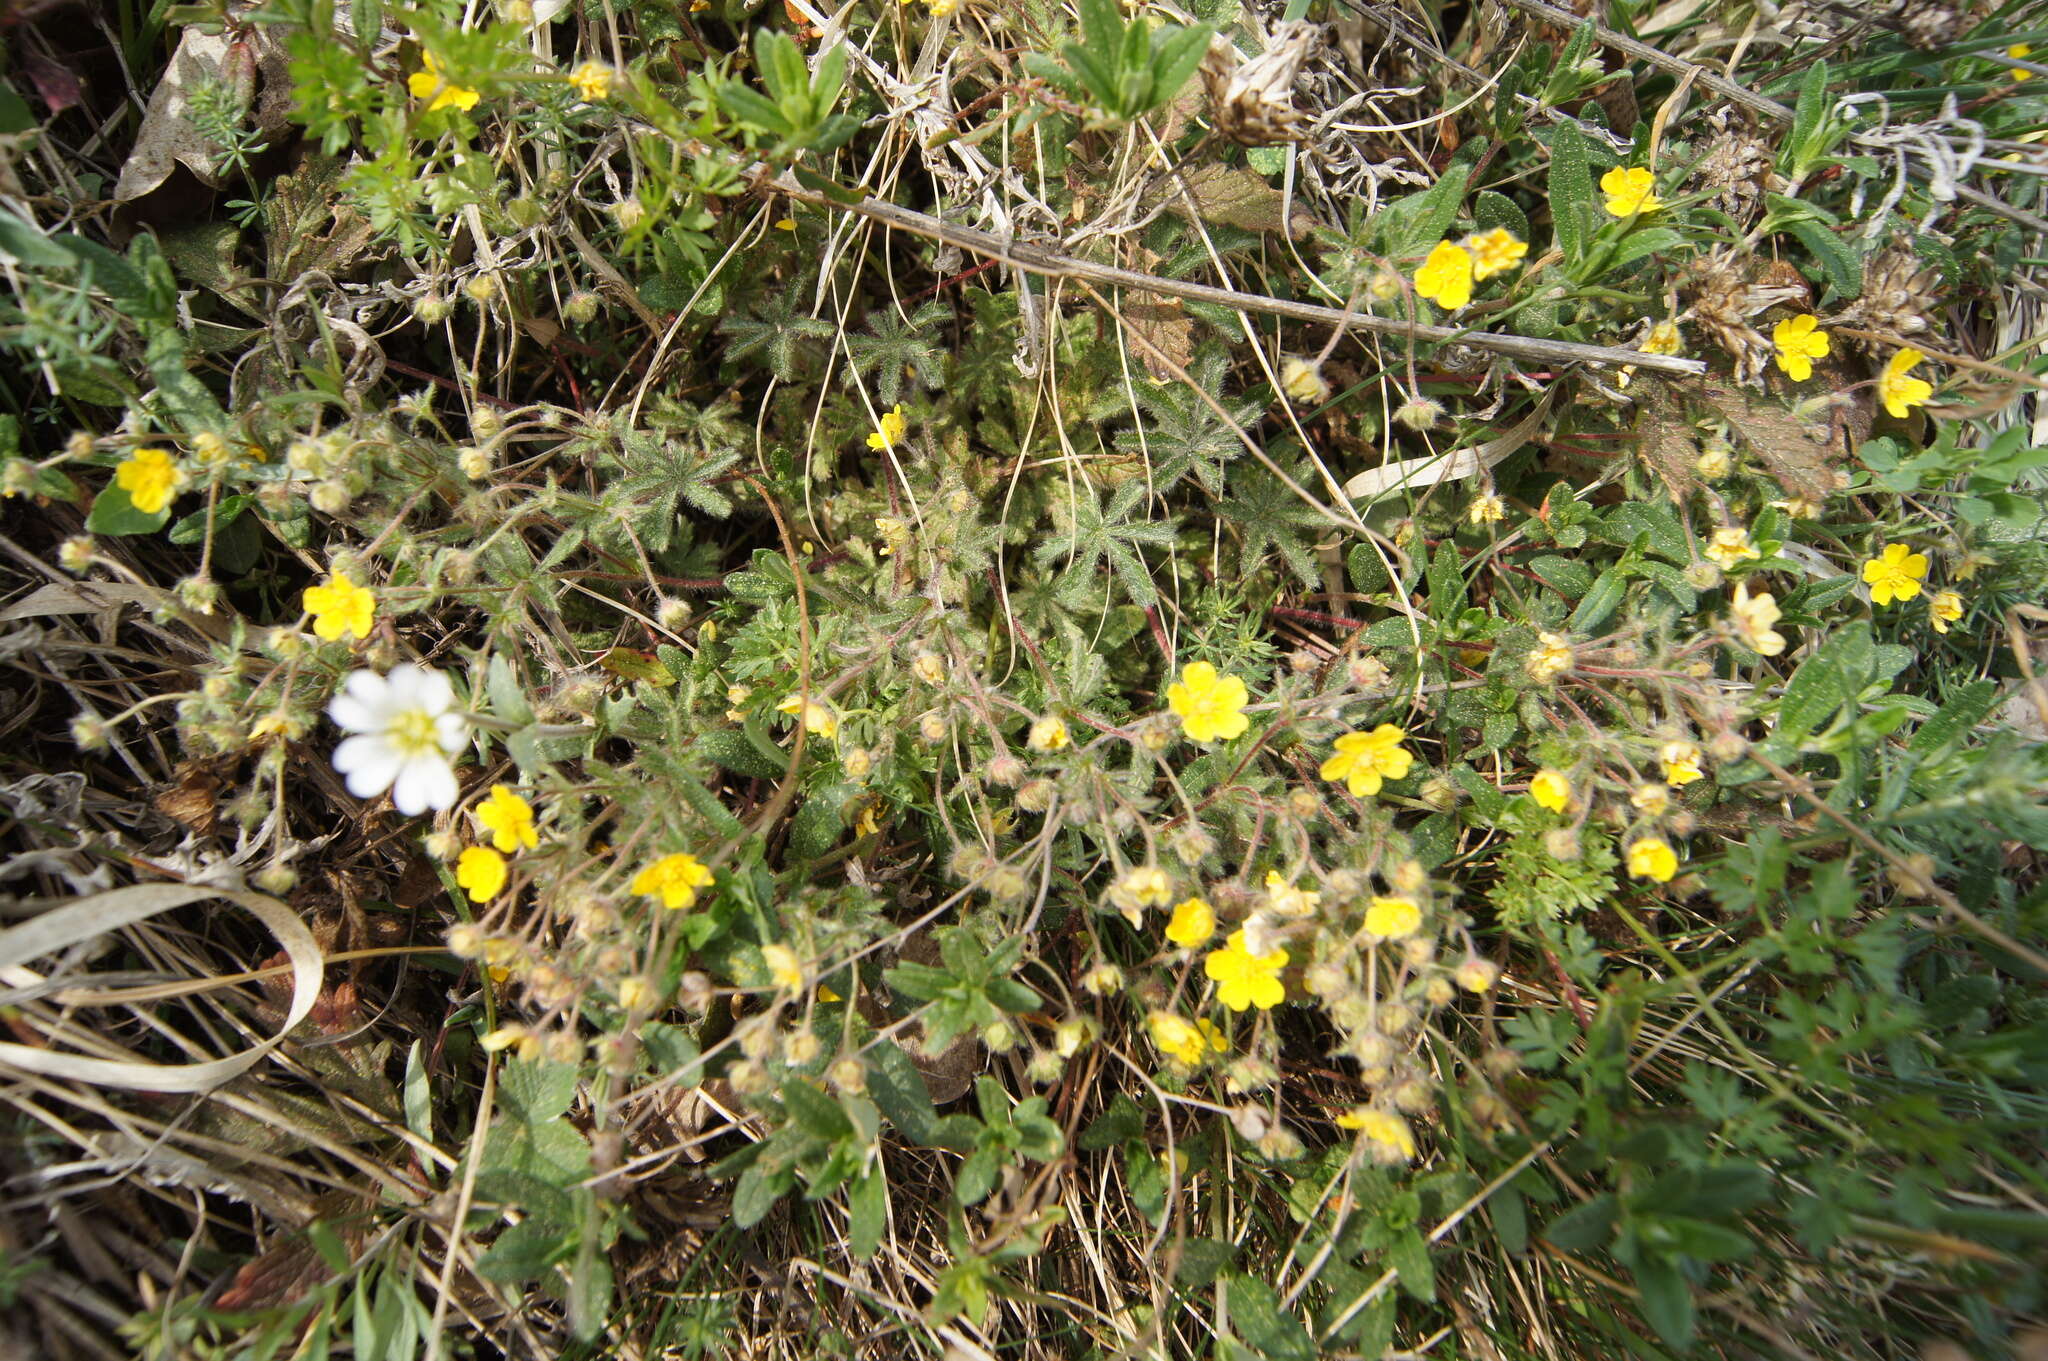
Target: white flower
<point x="404" y="728"/>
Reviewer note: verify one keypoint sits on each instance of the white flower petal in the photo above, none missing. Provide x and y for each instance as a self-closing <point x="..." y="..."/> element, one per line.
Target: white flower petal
<point x="451" y="731"/>
<point x="436" y="691"/>
<point x="369" y="765"/>
<point x="352" y="715"/>
<point x="424" y="783"/>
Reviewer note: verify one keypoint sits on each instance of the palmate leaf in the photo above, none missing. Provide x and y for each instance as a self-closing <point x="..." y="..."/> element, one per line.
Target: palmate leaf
<point x="1181" y="433"/>
<point x="1089" y="533"/>
<point x="1271" y="518"/>
<point x="777" y="333"/>
<point x="893" y="349"/>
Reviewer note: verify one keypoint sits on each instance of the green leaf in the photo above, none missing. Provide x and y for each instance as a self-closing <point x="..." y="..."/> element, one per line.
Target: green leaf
<point x="1202" y="1260"/>
<point x="537" y="1090"/>
<point x="1409" y="1254"/>
<point x="898" y="1088"/>
<point x="525" y="1252"/>
<point x="1431" y="212"/>
<point x="1645" y="242"/>
<point x="192" y="528"/>
<point x="1122" y="1122"/>
<point x="814" y="1112"/>
<point x="1491" y="209"/>
<point x="14" y="112"/>
<point x="1601" y="601"/>
<point x="671" y="1049"/>
<point x="114" y="514"/>
<point x="1964" y="710"/>
<point x="1174" y="59"/>
<point x="1808" y="118"/>
<point x="1258" y="1319"/>
<point x="1586" y="1228"/>
<point x="867" y="1214"/>
<point x="1666" y="1300"/>
<point x="729" y="749"/>
<point x="1824" y="682"/>
<point x="1844" y="270"/>
<point x="758" y="1189"/>
<point x="1571" y="190"/>
<point x="419" y="1098"/>
<point x="27" y="244"/>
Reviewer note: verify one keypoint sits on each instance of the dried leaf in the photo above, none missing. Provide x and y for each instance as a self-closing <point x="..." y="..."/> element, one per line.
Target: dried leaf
<point x="1170" y="330"/>
<point x="1235" y="197"/>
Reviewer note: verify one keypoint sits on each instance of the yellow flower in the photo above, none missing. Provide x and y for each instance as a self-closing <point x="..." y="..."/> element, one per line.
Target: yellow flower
<point x="1799" y="341"/>
<point x="593" y="81"/>
<point x="1943" y="609"/>
<point x="1184" y="1043"/>
<point x="151" y="478"/>
<point x="1244" y="979"/>
<point x="1365" y="759"/>
<point x="481" y="872"/>
<point x="340" y="608"/>
<point x="1652" y="858"/>
<point x="674" y="879"/>
<point x="1494" y="251"/>
<point x="1446" y="276"/>
<point x="426" y="83"/>
<point x="1651" y="800"/>
<point x="1895" y="574"/>
<point x="785" y="224"/>
<point x="1752" y="617"/>
<point x="1681" y="762"/>
<point x="1388" y="1134"/>
<point x="1549" y="659"/>
<point x="2019" y="52"/>
<point x="819" y="718"/>
<point x="942" y="9"/>
<point x="1303" y="381"/>
<point x="504" y="1037"/>
<point x="1194" y="921"/>
<point x="1144" y="887"/>
<point x="509" y="820"/>
<point x="1285" y="900"/>
<point x="1208" y="704"/>
<point x="1476" y="975"/>
<point x="1487" y="509"/>
<point x="1047" y="734"/>
<point x="1729" y="546"/>
<point x="1630" y="192"/>
<point x="785" y="970"/>
<point x="1392" y="918"/>
<point x="1662" y="339"/>
<point x="1551" y="790"/>
<point x="890" y="431"/>
<point x="1897" y="389"/>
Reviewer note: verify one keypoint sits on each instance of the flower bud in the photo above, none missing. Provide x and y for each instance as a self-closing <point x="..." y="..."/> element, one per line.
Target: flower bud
<point x="800" y="1046"/>
<point x="1419" y="413"/>
<point x="1476" y="975"/>
<point x="276" y="879"/>
<point x="848" y="1074"/>
<point x="433" y="309"/>
<point x="581" y="307"/>
<point x="1006" y="770"/>
<point x="1044" y="1068"/>
<point x="1103" y="980"/>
